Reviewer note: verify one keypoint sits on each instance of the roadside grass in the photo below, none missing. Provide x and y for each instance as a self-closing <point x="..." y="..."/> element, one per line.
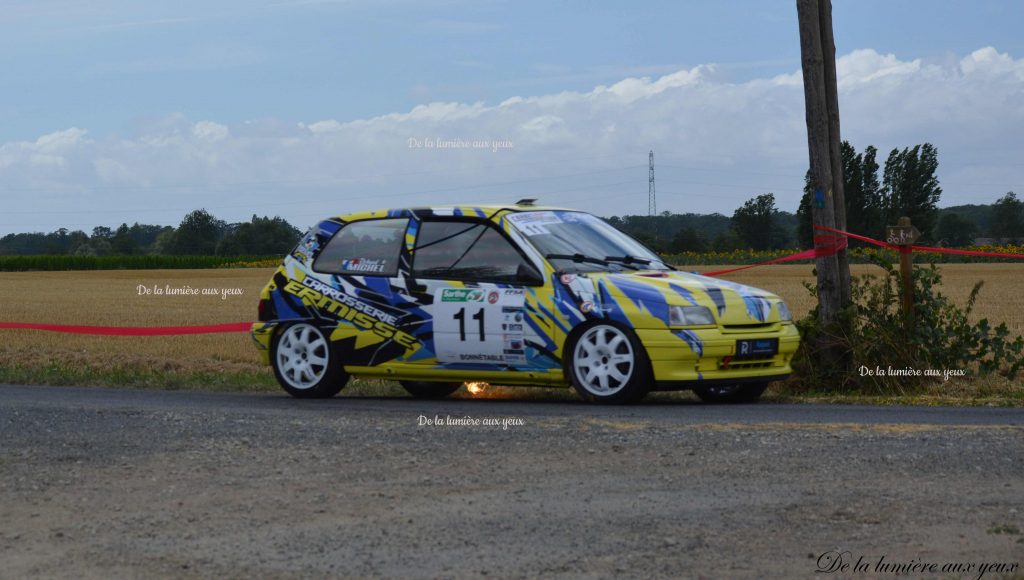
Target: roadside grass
<point x="60" y="374"/>
<point x="1004" y="394"/>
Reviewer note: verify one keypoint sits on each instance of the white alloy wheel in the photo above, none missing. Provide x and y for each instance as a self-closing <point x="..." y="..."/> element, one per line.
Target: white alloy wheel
<point x="302" y="356"/>
<point x="604" y="360"/>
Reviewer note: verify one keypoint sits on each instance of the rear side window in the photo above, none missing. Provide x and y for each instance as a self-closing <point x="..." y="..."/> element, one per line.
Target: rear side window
<point x="458" y="250"/>
<point x="366" y="248"/>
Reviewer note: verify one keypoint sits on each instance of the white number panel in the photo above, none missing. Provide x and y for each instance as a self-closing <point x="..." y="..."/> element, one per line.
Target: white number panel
<point x="479" y="325"/>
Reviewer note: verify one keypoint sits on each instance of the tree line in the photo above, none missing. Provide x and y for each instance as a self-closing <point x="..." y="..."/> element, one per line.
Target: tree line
<point x="908" y="186"/>
<point x="198" y="234"/>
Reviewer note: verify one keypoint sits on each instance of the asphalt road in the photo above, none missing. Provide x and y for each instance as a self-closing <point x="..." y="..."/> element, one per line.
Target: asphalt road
<point x="129" y="483"/>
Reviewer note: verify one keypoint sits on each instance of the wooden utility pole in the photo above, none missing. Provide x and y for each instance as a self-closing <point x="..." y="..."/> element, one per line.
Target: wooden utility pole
<point x="821" y="100"/>
<point x="828" y="49"/>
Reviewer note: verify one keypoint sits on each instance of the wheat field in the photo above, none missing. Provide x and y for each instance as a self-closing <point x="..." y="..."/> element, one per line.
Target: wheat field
<point x="111" y="298"/>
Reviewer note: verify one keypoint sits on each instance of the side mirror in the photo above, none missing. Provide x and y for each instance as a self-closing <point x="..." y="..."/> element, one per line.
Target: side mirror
<point x="528" y="275"/>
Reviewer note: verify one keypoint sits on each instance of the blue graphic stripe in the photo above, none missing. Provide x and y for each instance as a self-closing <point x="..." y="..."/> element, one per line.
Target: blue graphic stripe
<point x="541" y="333"/>
<point x="645" y="297"/>
<point x="685" y="293"/>
<point x="691" y="338"/>
<point x="609" y="305"/>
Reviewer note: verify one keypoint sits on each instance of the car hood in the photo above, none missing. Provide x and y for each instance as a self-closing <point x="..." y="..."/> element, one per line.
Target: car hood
<point x="651" y="293"/>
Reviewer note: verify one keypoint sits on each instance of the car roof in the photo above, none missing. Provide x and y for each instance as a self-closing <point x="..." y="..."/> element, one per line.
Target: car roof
<point x="483" y="210"/>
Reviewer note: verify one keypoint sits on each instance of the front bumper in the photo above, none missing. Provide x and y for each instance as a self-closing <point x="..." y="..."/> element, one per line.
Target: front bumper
<point x="705" y="357"/>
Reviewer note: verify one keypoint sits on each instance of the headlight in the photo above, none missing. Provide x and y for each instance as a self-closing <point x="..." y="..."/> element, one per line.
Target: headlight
<point x="784" y="313"/>
<point x="690" y="316"/>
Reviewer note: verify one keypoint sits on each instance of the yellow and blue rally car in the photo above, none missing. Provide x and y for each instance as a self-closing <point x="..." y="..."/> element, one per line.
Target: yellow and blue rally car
<point x="516" y="295"/>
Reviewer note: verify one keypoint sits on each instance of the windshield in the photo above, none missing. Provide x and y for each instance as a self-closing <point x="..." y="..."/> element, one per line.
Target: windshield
<point x="583" y="242"/>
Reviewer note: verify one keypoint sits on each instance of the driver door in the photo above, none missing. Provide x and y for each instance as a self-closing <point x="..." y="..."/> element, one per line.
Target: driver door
<point x="474" y="283"/>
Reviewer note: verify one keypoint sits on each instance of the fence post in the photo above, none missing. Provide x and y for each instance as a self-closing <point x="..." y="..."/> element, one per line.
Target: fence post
<point x="903" y="235"/>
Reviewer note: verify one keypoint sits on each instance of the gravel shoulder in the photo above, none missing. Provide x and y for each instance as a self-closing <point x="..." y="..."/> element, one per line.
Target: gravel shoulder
<point x="101" y="483"/>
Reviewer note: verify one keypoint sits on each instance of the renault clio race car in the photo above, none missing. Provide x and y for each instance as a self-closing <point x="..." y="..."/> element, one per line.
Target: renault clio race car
<point x="515" y="295"/>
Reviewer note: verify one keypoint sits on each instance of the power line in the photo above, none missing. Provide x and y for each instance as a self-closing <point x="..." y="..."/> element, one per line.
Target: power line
<point x="327" y="213"/>
<point x="309" y="182"/>
<point x="350" y="197"/>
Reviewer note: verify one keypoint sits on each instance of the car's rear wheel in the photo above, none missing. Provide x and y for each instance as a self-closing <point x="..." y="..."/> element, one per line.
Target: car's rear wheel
<point x="429" y="389"/>
<point x="609" y="365"/>
<point x="743" y="393"/>
<point x="302" y="360"/>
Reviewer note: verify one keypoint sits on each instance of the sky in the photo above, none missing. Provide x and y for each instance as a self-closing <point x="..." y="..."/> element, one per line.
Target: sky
<point x="116" y="111"/>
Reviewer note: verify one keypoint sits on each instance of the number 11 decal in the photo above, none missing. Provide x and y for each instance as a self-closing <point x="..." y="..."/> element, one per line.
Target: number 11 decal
<point x="479" y="326"/>
<point x="461" y="317"/>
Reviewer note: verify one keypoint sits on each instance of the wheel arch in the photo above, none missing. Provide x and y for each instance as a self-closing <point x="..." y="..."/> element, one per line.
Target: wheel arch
<point x="574" y="335"/>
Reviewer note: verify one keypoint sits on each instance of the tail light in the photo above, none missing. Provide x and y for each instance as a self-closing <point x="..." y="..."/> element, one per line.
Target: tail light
<point x="264" y="311"/>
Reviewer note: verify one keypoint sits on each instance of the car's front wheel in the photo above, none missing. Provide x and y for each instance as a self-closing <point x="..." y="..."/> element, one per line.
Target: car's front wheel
<point x="429" y="390"/>
<point x="744" y="393"/>
<point x="609" y="365"/>
<point x="302" y="361"/>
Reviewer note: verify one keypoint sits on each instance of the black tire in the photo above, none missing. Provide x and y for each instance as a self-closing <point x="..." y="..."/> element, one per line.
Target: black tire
<point x="429" y="389"/>
<point x="732" y="394"/>
<point x="301" y="343"/>
<point x="634" y="367"/>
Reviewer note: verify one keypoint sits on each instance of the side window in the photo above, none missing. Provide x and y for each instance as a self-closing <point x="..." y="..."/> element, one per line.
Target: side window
<point x="369" y="248"/>
<point x="462" y="250"/>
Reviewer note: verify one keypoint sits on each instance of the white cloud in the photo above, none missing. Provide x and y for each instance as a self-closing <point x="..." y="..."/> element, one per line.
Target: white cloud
<point x="209" y="131"/>
<point x="716" y="143"/>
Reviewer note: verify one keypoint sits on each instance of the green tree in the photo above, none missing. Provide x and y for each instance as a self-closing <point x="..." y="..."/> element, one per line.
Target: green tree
<point x="726" y="242"/>
<point x="872" y="220"/>
<point x="865" y="202"/>
<point x="1008" y="218"/>
<point x="197" y="235"/>
<point x="688" y="240"/>
<point x="77" y="239"/>
<point x="911" y="187"/>
<point x="664" y="227"/>
<point x="805" y="223"/>
<point x="260" y="236"/>
<point x="648" y="239"/>
<point x="164" y="242"/>
<point x="756" y="225"/>
<point x="955" y="231"/>
<point x="122" y="242"/>
<point x="145" y="234"/>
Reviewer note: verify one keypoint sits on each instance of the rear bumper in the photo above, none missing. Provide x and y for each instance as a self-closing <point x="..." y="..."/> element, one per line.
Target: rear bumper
<point x="705" y="357"/>
<point x="262" y="334"/>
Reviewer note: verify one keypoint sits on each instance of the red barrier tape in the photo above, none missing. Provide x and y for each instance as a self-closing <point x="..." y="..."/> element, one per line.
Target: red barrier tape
<point x="131" y="330"/>
<point x="921" y="248"/>
<point x="824" y="245"/>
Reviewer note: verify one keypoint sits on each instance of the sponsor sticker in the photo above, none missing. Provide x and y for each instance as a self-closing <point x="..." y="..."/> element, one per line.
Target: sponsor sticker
<point x="363" y="265"/>
<point x="534" y="223"/>
<point x="462" y="295"/>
